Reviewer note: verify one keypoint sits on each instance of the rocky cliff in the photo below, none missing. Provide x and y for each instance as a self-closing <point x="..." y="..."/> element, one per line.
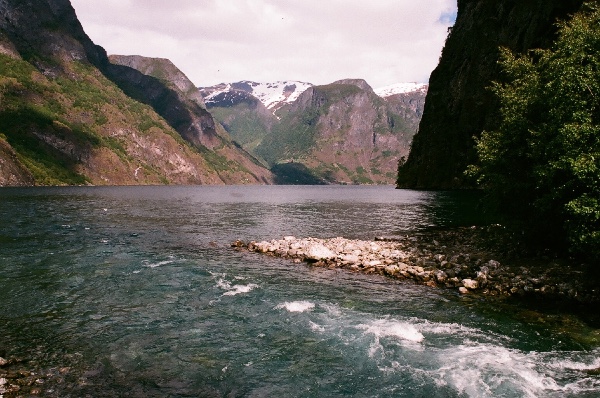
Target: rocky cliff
<point x="169" y="91"/>
<point x="69" y="116"/>
<point x="459" y="105"/>
<point x="343" y="133"/>
<point x="338" y="133"/>
<point x="242" y="114"/>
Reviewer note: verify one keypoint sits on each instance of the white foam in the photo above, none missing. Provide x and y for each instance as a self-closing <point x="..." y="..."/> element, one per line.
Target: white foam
<point x="159" y="264"/>
<point x="457" y="330"/>
<point x="485" y="369"/>
<point x="296" y="306"/>
<point x="393" y="328"/>
<point x="240" y="289"/>
<point x="233" y="290"/>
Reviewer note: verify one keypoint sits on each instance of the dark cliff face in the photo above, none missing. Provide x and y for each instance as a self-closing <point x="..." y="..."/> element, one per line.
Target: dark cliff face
<point x="195" y="124"/>
<point x="459" y="105"/>
<point x="47" y="33"/>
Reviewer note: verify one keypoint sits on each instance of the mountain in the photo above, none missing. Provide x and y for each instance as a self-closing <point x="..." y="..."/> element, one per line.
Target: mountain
<point x="401" y="88"/>
<point x="339" y="133"/>
<point x="272" y="95"/>
<point x="459" y="104"/>
<point x="199" y="126"/>
<point x="69" y="116"/>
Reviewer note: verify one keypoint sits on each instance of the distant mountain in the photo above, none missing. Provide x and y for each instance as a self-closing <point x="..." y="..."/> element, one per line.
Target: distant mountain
<point x="272" y="95"/>
<point x="69" y="116"/>
<point x="401" y="88"/>
<point x="338" y="133"/>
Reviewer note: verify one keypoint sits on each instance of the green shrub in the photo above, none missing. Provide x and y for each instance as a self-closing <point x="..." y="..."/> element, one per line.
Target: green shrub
<point x="542" y="165"/>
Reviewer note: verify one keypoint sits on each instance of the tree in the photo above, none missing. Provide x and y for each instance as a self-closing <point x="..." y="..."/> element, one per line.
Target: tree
<point x="542" y="164"/>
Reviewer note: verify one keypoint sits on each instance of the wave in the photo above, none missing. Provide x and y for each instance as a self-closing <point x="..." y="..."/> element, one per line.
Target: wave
<point x="232" y="289"/>
<point x="392" y="328"/>
<point x="240" y="289"/>
<point x="296" y="306"/>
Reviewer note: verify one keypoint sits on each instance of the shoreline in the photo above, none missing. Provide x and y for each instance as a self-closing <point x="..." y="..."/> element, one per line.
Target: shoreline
<point x="476" y="260"/>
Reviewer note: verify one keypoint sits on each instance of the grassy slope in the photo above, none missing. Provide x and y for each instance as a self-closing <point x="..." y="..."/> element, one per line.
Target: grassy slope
<point x="61" y="127"/>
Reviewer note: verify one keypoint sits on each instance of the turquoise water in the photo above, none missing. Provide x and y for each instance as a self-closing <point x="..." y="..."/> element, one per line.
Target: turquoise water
<point x="134" y="291"/>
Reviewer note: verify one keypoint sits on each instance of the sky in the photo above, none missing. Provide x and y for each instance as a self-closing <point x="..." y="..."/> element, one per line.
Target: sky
<point x="314" y="41"/>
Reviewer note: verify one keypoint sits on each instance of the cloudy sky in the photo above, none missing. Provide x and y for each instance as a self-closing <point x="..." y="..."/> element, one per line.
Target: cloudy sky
<point x="315" y="41"/>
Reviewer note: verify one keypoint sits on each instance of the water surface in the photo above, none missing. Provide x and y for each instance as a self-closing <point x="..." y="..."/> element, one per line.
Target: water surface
<point x="134" y="291"/>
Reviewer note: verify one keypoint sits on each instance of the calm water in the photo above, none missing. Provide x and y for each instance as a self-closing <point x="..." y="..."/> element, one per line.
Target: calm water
<point x="135" y="292"/>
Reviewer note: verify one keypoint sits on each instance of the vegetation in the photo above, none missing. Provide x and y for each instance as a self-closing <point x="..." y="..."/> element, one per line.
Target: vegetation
<point x="290" y="139"/>
<point x="542" y="165"/>
<point x="243" y="123"/>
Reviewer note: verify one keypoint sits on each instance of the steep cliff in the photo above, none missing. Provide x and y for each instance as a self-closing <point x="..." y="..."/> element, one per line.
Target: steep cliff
<point x="342" y="133"/>
<point x="459" y="105"/>
<point x="64" y="121"/>
<point x="243" y="115"/>
<point x="182" y="105"/>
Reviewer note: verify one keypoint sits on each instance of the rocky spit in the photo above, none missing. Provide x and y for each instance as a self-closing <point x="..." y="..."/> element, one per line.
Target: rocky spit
<point x="460" y="259"/>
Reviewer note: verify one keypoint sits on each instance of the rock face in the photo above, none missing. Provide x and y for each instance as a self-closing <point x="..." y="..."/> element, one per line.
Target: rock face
<point x="338" y="133"/>
<point x="182" y="105"/>
<point x="344" y="133"/>
<point x="64" y="117"/>
<point x="459" y="105"/>
<point x="164" y="87"/>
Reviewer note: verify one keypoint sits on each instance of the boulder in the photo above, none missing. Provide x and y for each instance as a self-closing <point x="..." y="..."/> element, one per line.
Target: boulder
<point x="318" y="252"/>
<point x="470" y="284"/>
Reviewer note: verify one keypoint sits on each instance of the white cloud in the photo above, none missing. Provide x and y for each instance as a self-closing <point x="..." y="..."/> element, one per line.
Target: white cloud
<point x="317" y="41"/>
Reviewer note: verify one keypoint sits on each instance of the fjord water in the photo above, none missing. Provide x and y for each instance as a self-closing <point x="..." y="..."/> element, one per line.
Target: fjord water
<point x="134" y="291"/>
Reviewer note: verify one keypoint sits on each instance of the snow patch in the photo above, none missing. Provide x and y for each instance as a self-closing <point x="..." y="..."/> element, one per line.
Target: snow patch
<point x="272" y="95"/>
<point x="401" y="88"/>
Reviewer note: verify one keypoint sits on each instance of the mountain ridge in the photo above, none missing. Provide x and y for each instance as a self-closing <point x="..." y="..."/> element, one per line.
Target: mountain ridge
<point x="342" y="132"/>
<point x="65" y="117"/>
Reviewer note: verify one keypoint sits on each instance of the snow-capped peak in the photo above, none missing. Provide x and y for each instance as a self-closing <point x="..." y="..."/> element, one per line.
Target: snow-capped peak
<point x="400" y="88"/>
<point x="272" y="95"/>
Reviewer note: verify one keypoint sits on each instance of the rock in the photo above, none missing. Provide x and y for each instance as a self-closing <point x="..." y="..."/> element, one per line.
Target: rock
<point x="470" y="284"/>
<point x="441" y="276"/>
<point x="481" y="278"/>
<point x="3" y="362"/>
<point x="452" y="266"/>
<point x="349" y="258"/>
<point x="593" y="372"/>
<point x="318" y="252"/>
<point x="463" y="290"/>
<point x="392" y="269"/>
